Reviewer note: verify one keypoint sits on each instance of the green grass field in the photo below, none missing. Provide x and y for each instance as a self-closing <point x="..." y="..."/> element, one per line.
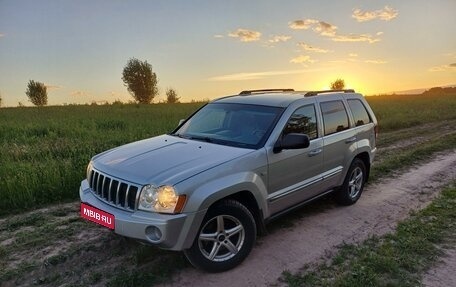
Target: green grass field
<point x="44" y="151"/>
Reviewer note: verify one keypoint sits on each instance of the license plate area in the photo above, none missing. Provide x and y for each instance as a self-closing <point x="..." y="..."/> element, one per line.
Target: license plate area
<point x="98" y="216"/>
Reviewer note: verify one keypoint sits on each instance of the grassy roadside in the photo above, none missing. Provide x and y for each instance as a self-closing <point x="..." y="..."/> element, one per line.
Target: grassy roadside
<point x="397" y="259"/>
<point x="409" y="155"/>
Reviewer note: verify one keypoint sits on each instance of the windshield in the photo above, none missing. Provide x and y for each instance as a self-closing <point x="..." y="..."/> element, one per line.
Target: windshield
<point x="231" y="124"/>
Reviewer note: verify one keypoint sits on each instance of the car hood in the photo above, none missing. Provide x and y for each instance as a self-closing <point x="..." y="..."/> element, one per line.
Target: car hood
<point x="164" y="159"/>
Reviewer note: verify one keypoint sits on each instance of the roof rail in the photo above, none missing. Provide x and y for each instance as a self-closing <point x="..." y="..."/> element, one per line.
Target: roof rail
<point x="314" y="93"/>
<point x="249" y="92"/>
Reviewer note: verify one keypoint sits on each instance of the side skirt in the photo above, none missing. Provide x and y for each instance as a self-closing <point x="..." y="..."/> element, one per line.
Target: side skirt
<point x="296" y="206"/>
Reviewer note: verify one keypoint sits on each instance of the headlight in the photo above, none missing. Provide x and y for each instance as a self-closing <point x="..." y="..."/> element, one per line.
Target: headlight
<point x="162" y="199"/>
<point x="88" y="170"/>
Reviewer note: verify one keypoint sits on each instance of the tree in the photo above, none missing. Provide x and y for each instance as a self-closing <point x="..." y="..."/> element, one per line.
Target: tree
<point x="37" y="93"/>
<point x="171" y="96"/>
<point x="140" y="80"/>
<point x="338" y="84"/>
<point x="0" y="100"/>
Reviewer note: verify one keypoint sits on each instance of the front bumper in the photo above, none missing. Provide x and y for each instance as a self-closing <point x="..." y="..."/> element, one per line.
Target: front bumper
<point x="175" y="231"/>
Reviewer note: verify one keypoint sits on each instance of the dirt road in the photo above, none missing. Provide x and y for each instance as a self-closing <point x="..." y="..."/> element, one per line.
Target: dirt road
<point x="313" y="237"/>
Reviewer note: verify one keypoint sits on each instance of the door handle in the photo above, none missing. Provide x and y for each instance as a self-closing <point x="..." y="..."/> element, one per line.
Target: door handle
<point x="350" y="140"/>
<point x="315" y="152"/>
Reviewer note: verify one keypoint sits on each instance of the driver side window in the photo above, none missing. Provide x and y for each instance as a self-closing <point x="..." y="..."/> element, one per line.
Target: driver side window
<point x="303" y="121"/>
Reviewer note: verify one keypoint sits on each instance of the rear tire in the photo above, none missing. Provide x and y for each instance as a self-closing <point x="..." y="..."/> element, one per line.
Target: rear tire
<point x="353" y="186"/>
<point x="225" y="238"/>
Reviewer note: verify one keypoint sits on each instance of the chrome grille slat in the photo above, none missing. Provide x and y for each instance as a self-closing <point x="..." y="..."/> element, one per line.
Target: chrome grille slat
<point x="100" y="184"/>
<point x="109" y="190"/>
<point x="103" y="186"/>
<point x="122" y="194"/>
<point x="137" y="198"/>
<point x="91" y="178"/>
<point x="117" y="193"/>
<point x="126" y="196"/>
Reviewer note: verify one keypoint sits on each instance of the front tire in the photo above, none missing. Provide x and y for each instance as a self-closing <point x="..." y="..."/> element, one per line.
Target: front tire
<point x="226" y="237"/>
<point x="353" y="186"/>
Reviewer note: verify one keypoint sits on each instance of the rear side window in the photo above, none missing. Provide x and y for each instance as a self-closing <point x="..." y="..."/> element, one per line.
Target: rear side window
<point x="335" y="117"/>
<point x="359" y="112"/>
<point x="303" y="121"/>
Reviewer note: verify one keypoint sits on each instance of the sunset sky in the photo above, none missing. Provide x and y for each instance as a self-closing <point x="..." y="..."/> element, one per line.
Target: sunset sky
<point x="207" y="49"/>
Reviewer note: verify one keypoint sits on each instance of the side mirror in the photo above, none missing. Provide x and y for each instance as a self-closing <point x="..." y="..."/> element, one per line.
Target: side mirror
<point x="292" y="141"/>
<point x="181" y="122"/>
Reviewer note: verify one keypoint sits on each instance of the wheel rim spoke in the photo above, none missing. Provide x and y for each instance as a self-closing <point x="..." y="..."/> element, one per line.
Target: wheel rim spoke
<point x="234" y="230"/>
<point x="208" y="236"/>
<point x="220" y="224"/>
<point x="355" y="183"/>
<point x="230" y="246"/>
<point x="214" y="251"/>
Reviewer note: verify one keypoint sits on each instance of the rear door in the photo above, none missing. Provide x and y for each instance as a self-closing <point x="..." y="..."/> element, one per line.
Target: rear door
<point x="339" y="139"/>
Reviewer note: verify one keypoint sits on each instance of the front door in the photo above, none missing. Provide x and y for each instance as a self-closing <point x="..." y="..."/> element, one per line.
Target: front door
<point x="294" y="175"/>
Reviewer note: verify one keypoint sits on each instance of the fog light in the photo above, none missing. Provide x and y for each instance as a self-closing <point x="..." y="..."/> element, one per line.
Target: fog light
<point x="153" y="233"/>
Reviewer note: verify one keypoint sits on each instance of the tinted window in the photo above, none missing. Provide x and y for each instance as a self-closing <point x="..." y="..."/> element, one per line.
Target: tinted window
<point x="303" y="121"/>
<point x="335" y="117"/>
<point x="359" y="112"/>
<point x="231" y="124"/>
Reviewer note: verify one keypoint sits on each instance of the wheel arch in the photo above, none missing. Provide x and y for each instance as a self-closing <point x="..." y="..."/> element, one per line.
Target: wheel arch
<point x="365" y="158"/>
<point x="247" y="199"/>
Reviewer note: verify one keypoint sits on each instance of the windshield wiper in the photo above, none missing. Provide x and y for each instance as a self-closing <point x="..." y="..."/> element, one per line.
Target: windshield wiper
<point x="200" y="138"/>
<point x="179" y="136"/>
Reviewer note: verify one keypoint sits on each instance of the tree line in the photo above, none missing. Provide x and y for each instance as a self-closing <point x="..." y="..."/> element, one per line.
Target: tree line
<point x="137" y="75"/>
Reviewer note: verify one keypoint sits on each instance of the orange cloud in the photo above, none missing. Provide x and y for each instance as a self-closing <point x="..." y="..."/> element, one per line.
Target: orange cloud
<point x="279" y="38"/>
<point x="302" y="24"/>
<point x="255" y="75"/>
<point x="385" y="14"/>
<point x="309" y="48"/>
<point x="356" y="38"/>
<point x="245" y="35"/>
<point x="302" y="59"/>
<point x="321" y="27"/>
<point x="79" y="94"/>
<point x="443" y="68"/>
<point x="52" y="87"/>
<point x="325" y="29"/>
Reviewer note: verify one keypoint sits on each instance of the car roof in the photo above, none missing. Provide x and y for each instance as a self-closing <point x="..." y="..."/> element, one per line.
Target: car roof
<point x="276" y="99"/>
<point x="266" y="99"/>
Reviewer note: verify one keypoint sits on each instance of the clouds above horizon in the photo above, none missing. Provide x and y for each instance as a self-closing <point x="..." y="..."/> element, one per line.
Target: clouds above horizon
<point x="245" y="35"/>
<point x="51" y="87"/>
<point x="279" y="38"/>
<point x="302" y="59"/>
<point x="310" y="48"/>
<point x="443" y="68"/>
<point x="385" y="14"/>
<point x="256" y="75"/>
<point x="329" y="30"/>
<point x="321" y="27"/>
<point x="356" y="38"/>
<point x="79" y="94"/>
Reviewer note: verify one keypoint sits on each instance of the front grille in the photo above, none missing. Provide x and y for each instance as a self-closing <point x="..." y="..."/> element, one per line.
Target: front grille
<point x="114" y="191"/>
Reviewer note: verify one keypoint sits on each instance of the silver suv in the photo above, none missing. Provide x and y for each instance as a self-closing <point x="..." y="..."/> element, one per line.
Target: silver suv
<point x="212" y="184"/>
